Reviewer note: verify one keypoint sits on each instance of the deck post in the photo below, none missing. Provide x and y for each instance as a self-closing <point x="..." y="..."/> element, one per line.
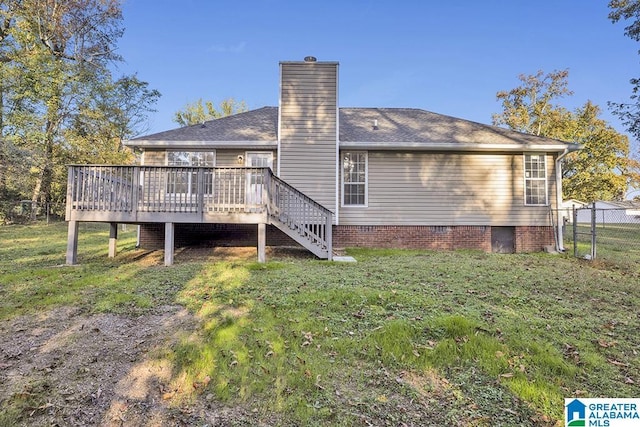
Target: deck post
<point x="262" y="242"/>
<point x="113" y="239"/>
<point x="169" y="231"/>
<point x="70" y="187"/>
<point x="72" y="243"/>
<point x="328" y="235"/>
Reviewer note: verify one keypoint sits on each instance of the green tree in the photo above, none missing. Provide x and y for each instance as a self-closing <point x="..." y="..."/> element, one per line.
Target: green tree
<point x="59" y="102"/>
<point x="603" y="169"/>
<point x="530" y="107"/>
<point x="107" y="115"/>
<point x="628" y="112"/>
<point x="198" y="112"/>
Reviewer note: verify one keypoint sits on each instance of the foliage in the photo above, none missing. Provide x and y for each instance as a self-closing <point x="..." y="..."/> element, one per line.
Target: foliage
<point x="628" y="112"/>
<point x="110" y="113"/>
<point x="399" y="337"/>
<point x="604" y="169"/>
<point x="198" y="112"/>
<point x="59" y="101"/>
<point x="529" y="108"/>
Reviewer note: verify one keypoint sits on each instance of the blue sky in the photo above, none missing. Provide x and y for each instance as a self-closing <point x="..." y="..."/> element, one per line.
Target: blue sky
<point x="449" y="57"/>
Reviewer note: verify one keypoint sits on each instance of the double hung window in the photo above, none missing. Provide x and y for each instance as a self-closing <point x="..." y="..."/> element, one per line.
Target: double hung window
<point x="535" y="179"/>
<point x="354" y="178"/>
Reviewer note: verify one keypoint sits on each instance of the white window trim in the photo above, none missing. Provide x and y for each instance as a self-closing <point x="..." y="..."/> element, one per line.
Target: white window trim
<point x="525" y="179"/>
<point x="248" y="153"/>
<point x="366" y="180"/>
<point x="166" y="155"/>
<point x="189" y="182"/>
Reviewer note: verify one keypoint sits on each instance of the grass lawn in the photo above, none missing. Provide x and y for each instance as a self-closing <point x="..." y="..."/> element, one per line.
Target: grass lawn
<point x="413" y="337"/>
<point x="616" y="243"/>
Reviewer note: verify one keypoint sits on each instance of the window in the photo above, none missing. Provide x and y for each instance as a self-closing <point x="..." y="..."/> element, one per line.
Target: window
<point x="185" y="181"/>
<point x="535" y="179"/>
<point x="259" y="159"/>
<point x="191" y="158"/>
<point x="354" y="178"/>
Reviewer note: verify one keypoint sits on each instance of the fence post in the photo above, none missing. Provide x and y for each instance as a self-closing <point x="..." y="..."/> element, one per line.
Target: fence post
<point x="575" y="232"/>
<point x="593" y="231"/>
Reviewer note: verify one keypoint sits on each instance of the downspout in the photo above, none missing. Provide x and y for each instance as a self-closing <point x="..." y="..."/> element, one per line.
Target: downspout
<point x="338" y="164"/>
<point x="279" y="141"/>
<point x="560" y="237"/>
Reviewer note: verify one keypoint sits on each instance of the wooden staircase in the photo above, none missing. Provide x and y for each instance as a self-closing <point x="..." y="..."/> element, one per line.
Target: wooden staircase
<point x="300" y="217"/>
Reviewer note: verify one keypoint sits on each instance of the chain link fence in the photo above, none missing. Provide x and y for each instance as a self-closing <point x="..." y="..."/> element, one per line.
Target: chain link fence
<point x="611" y="235"/>
<point x="23" y="211"/>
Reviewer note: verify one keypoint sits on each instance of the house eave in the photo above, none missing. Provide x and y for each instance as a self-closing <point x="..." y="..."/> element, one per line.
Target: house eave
<point x="447" y="146"/>
<point x="190" y="145"/>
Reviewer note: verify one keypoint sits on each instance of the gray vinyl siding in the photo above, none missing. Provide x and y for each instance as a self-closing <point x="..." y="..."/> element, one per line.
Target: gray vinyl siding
<point x="448" y="189"/>
<point x="154" y="158"/>
<point x="229" y="158"/>
<point x="308" y="129"/>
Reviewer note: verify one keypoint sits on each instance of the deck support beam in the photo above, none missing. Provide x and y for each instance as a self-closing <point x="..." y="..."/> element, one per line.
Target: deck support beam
<point x="262" y="242"/>
<point x="113" y="239"/>
<point x="169" y="235"/>
<point x="72" y="243"/>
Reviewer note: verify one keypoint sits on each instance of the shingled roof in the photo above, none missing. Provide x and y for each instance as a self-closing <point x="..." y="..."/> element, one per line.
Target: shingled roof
<point x="360" y="128"/>
<point x="255" y="127"/>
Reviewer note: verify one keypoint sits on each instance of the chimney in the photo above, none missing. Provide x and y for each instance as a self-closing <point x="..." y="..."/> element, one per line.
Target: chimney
<point x="308" y="127"/>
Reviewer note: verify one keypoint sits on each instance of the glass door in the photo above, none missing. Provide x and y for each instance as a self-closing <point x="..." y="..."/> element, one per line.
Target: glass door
<point x="255" y="179"/>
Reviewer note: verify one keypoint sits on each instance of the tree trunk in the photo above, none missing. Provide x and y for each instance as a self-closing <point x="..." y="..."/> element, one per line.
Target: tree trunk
<point x="3" y="145"/>
<point x="42" y="190"/>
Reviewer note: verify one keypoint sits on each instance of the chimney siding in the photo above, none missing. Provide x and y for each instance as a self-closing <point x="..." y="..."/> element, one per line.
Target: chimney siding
<point x="308" y="126"/>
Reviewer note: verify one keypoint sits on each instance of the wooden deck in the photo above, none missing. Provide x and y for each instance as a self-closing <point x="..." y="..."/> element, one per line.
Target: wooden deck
<point x="170" y="195"/>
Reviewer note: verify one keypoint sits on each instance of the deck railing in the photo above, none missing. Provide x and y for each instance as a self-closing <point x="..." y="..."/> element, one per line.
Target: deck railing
<point x="165" y="189"/>
<point x="299" y="213"/>
<point x="196" y="194"/>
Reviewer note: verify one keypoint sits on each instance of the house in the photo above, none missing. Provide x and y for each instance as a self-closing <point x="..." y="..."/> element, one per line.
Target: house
<point x="324" y="176"/>
<point x="611" y="212"/>
<point x="576" y="410"/>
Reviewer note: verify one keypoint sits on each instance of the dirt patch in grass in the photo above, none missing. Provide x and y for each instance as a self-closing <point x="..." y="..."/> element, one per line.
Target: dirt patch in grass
<point x="63" y="367"/>
<point x="238" y="253"/>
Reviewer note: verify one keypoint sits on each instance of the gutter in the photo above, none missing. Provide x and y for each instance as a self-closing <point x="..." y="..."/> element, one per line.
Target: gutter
<point x="162" y="144"/>
<point x="464" y="146"/>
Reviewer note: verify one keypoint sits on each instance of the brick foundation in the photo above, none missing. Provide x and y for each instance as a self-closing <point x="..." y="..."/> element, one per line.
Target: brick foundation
<point x="533" y="239"/>
<point x="413" y="237"/>
<point x="526" y="238"/>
